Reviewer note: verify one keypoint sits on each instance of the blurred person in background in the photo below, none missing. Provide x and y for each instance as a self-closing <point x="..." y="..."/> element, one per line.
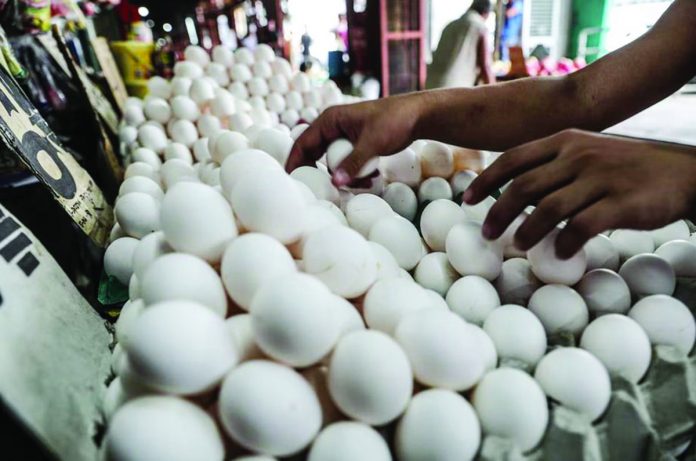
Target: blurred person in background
<point x="511" y="34"/>
<point x="463" y="55"/>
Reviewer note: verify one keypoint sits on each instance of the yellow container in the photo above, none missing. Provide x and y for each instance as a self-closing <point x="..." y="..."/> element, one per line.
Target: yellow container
<point x="137" y="88"/>
<point x="133" y="59"/>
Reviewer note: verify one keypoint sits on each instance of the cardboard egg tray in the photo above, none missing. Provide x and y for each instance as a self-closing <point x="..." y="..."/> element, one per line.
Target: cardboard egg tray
<point x="55" y="360"/>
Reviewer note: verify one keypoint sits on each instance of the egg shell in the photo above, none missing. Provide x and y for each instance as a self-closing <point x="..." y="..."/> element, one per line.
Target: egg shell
<point x="281" y="66"/>
<point x="148" y="156"/>
<point x="390" y="299"/>
<point x="176" y="430"/>
<point x="240" y="92"/>
<point x="141" y="169"/>
<point x="309" y="114"/>
<point x="435" y="272"/>
<point x="269" y="202"/>
<point x="269" y="408"/>
<point x="601" y="253"/>
<point x="152" y="137"/>
<point x="188" y="69"/>
<point x="223" y="55"/>
<point x="511" y="404"/>
<point x="202" y="91"/>
<point x="159" y="87"/>
<point x="341" y="258"/>
<point x="576" y="379"/>
<point x="434" y="188"/>
<point x="158" y="109"/>
<point x="402" y="167"/>
<point x="293" y="100"/>
<point x="349" y="318"/>
<point x="604" y="292"/>
<point x="127" y="134"/>
<point x="180" y="347"/>
<point x="130" y="312"/>
<point x="620" y="343"/>
<point x="197" y="220"/>
<point x="632" y="242"/>
<point x="118" y="259"/>
<point x="386" y="263"/>
<point x="185" y="108"/>
<point x="681" y="255"/>
<point x="400" y="237"/>
<point x="470" y="254"/>
<point x="452" y="362"/>
<point x="218" y="72"/>
<point x="479" y="212"/>
<point x="258" y="87"/>
<point x="364" y="210"/>
<point x="264" y="53"/>
<point x="134" y="116"/>
<point x="180" y="86"/>
<point x="274" y="143"/>
<point x="460" y="182"/>
<point x="208" y="125"/>
<point x="518" y="334"/>
<point x="436" y="160"/>
<point x="348" y="441"/>
<point x="240" y="73"/>
<point x="197" y="54"/>
<point x="666" y="320"/>
<point x="177" y="170"/>
<point x="279" y="84"/>
<point x="648" y="274"/>
<point x="437" y="220"/>
<point x="318" y="181"/>
<point x="240" y="122"/>
<point x="178" y="151"/>
<point x="251" y="261"/>
<point x="472" y="298"/>
<point x="438" y="424"/>
<point x="116" y="233"/>
<point x="401" y="199"/>
<point x="141" y="184"/>
<point x="484" y="346"/>
<point x="516" y="282"/>
<point x="228" y="143"/>
<point x="184" y="132"/>
<point x="290" y="117"/>
<point x="134" y="287"/>
<point x="138" y="214"/>
<point x="677" y="230"/>
<point x="370" y="377"/>
<point x="549" y="269"/>
<point x="241" y="164"/>
<point x="179" y="276"/>
<point x="242" y="335"/>
<point x="300" y="83"/>
<point x="224" y="104"/>
<point x="276" y="103"/>
<point x="560" y="309"/>
<point x="114" y="398"/>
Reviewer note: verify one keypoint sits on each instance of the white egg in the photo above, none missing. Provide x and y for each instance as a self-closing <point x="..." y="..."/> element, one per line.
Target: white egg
<point x="148" y="249"/>
<point x="114" y="398"/>
<point x="332" y="97"/>
<point x="197" y="54"/>
<point x="226" y="143"/>
<point x="188" y="69"/>
<point x="560" y="309"/>
<point x="604" y="292"/>
<point x="269" y="202"/>
<point x="138" y="214"/>
<point x="437" y="220"/>
<point x="269" y="408"/>
<point x="179" y="276"/>
<point x="240" y="122"/>
<point x="134" y="116"/>
<point x="258" y="87"/>
<point x="293" y="321"/>
<point x="300" y="83"/>
<point x="177" y="170"/>
<point x="264" y="53"/>
<point x="116" y="233"/>
<point x="290" y="117"/>
<point x="152" y="137"/>
<point x="349" y="318"/>
<point x="632" y="242"/>
<point x="510" y="404"/>
<point x="118" y="259"/>
<point x="133" y="101"/>
<point x="318" y="181"/>
<point x="179" y="151"/>
<point x="620" y="343"/>
<point x="601" y="253"/>
<point x="438" y="424"/>
<point x="224" y="104"/>
<point x="262" y="69"/>
<point x="312" y="98"/>
<point x="349" y="441"/>
<point x="275" y="103"/>
<point x="549" y="269"/>
<point x="370" y="377"/>
<point x="461" y="181"/>
<point x="281" y="66"/>
<point x="218" y="72"/>
<point x="309" y="114"/>
<point x="197" y="220"/>
<point x="180" y="347"/>
<point x="452" y="362"/>
<point x="402" y="167"/>
<point x="141" y="169"/>
<point x="433" y="189"/>
<point x="159" y="87"/>
<point x="681" y="255"/>
<point x="576" y="379"/>
<point x="435" y="273"/>
<point x="158" y="109"/>
<point x="648" y="274"/>
<point x="666" y="320"/>
<point x="390" y="299"/>
<point x="293" y="100"/>
<point x="436" y="160"/>
<point x="241" y="73"/>
<point x="242" y="334"/>
<point x="176" y="430"/>
<point x="249" y="262"/>
<point x="141" y="184"/>
<point x="202" y="91"/>
<point x="208" y="125"/>
<point x="278" y="84"/>
<point x="386" y="264"/>
<point x="484" y="346"/>
<point x="400" y="237"/>
<point x="677" y="230"/>
<point x="516" y="282"/>
<point x="470" y="254"/>
<point x="185" y="108"/>
<point x="479" y="212"/>
<point x="181" y="86"/>
<point x="341" y="258"/>
<point x="472" y="298"/>
<point x="243" y="163"/>
<point x="127" y="134"/>
<point x="184" y="132"/>
<point x="518" y="335"/>
<point x="130" y="312"/>
<point x="401" y="199"/>
<point x="240" y="92"/>
<point x="364" y="210"/>
<point x="223" y="55"/>
<point x="274" y="143"/>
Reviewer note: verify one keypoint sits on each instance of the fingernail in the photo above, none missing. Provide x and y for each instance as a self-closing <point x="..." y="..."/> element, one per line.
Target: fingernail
<point x="467" y="195"/>
<point x="488" y="231"/>
<point x="341" y="178"/>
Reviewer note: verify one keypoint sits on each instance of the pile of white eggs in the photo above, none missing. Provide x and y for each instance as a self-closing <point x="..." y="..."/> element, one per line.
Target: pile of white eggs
<point x="273" y="315"/>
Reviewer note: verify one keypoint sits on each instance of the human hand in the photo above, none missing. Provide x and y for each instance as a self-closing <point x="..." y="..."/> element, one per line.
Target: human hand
<point x="597" y="182"/>
<point x="381" y="127"/>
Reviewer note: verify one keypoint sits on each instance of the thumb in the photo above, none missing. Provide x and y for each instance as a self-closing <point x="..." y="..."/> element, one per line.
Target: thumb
<point x="350" y="167"/>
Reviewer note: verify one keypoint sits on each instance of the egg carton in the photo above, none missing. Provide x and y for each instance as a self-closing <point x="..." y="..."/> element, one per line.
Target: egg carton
<point x="654" y="420"/>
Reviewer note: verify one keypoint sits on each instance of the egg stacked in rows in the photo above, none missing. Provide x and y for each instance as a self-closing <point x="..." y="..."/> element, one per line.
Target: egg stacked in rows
<point x="273" y="315"/>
